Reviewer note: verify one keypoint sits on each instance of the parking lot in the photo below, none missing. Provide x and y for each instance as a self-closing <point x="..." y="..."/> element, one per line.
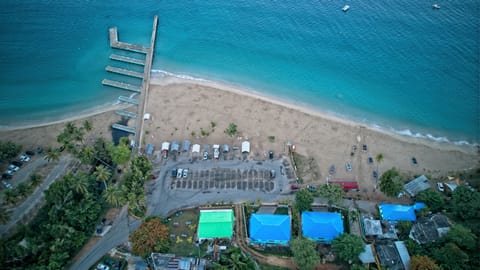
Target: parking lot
<point x="258" y="179"/>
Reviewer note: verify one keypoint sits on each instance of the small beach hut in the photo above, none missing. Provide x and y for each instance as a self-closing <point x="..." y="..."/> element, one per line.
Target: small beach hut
<point x="165" y="148"/>
<point x="246" y="147"/>
<point x="186" y="146"/>
<point x="196" y="148"/>
<point x="175" y="147"/>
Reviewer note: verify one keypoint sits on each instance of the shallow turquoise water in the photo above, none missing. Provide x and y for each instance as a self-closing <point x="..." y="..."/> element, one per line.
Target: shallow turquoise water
<point x="396" y="65"/>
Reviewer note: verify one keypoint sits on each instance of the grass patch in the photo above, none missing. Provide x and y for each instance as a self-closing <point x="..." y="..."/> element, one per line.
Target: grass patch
<point x="182" y="229"/>
<point x="271" y="267"/>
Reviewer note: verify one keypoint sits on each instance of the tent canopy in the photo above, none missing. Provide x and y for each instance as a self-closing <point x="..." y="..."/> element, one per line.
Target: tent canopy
<point x="216" y="223"/>
<point x="246" y="147"/>
<point x="397" y="212"/>
<point x="165" y="146"/>
<point x="320" y="226"/>
<point x="269" y="229"/>
<point x="196" y="148"/>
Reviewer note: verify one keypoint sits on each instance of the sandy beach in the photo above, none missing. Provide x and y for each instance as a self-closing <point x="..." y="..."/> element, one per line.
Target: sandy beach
<point x="182" y="108"/>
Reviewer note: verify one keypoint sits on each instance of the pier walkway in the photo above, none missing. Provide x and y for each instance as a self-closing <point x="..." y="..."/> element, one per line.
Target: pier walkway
<point x="127" y="59"/>
<point x="124" y="72"/>
<point x="122" y="85"/>
<point x="141" y="101"/>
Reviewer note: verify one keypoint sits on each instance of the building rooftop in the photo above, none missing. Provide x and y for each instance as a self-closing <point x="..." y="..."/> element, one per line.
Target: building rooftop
<point x="269" y="229"/>
<point x="430" y="230"/>
<point x="393" y="255"/>
<point x="417" y="185"/>
<point x="163" y="261"/>
<point x="217" y="223"/>
<point x="372" y="227"/>
<point x="398" y="212"/>
<point x="321" y="226"/>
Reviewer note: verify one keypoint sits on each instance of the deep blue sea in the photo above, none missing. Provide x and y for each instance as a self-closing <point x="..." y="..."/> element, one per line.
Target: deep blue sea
<point x="397" y="65"/>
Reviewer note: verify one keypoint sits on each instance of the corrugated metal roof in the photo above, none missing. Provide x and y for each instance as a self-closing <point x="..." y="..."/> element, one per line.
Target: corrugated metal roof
<point x="417" y="185"/>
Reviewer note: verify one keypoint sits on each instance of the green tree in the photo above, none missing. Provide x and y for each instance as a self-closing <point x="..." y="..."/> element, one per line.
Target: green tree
<point x="333" y="193"/>
<point x="231" y="130"/>
<point x="23" y="190"/>
<point x="348" y="247"/>
<point x="120" y="153"/>
<point x="151" y="236"/>
<point x="304" y="253"/>
<point x="423" y="263"/>
<point x="10" y="196"/>
<point x="86" y="154"/>
<point x="114" y="196"/>
<point x="303" y="200"/>
<point x="9" y="150"/>
<point x="52" y="154"/>
<point x="79" y="183"/>
<point x="451" y="257"/>
<point x="378" y="160"/>
<point x="235" y="259"/>
<point x="461" y="236"/>
<point x="4" y="215"/>
<point x="143" y="165"/>
<point x="35" y="179"/>
<point x="404" y="228"/>
<point x="465" y="203"/>
<point x="103" y="174"/>
<point x="391" y="182"/>
<point x="434" y="200"/>
<point x="87" y="125"/>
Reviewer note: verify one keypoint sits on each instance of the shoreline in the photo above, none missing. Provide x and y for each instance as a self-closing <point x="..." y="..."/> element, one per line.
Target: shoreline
<point x="164" y="79"/>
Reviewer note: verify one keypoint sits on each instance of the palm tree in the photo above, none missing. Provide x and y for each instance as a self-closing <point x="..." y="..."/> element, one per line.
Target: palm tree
<point x="114" y="196"/>
<point x="379" y="159"/>
<point x="80" y="184"/>
<point x="10" y="196"/>
<point x="102" y="173"/>
<point x="23" y="190"/>
<point x="4" y="215"/>
<point x="35" y="179"/>
<point x="52" y="154"/>
<point x="87" y="125"/>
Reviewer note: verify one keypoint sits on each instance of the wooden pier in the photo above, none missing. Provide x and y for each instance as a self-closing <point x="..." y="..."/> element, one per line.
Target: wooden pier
<point x="122" y="85"/>
<point x="145" y="76"/>
<point x="125" y="72"/>
<point x="124" y="128"/>
<point x="126" y="113"/>
<point x="114" y="43"/>
<point x="127" y="59"/>
<point x="128" y="100"/>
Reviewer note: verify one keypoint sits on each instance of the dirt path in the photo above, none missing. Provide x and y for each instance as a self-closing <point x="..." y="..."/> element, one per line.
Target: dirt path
<point x="240" y="240"/>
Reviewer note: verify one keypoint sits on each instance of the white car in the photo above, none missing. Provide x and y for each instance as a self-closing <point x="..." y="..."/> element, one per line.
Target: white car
<point x="348" y="166"/>
<point x="205" y="155"/>
<point x="101" y="266"/>
<point x="13" y="168"/>
<point x="440" y="186"/>
<point x="24" y="158"/>
<point x="185" y="173"/>
<point x="179" y="173"/>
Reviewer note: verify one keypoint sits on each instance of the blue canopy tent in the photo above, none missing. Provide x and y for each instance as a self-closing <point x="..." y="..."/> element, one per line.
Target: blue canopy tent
<point x="320" y="226"/>
<point x="268" y="229"/>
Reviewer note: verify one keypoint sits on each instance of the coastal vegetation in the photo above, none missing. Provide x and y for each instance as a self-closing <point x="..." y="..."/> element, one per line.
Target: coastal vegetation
<point x="151" y="236"/>
<point x="333" y="194"/>
<point x="304" y="253"/>
<point x="391" y="182"/>
<point x="9" y="150"/>
<point x="303" y="200"/>
<point x="348" y="247"/>
<point x="231" y="130"/>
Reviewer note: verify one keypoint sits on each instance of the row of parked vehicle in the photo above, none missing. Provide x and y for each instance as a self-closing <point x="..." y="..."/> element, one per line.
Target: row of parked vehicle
<point x="180" y="173"/>
<point x="14" y="166"/>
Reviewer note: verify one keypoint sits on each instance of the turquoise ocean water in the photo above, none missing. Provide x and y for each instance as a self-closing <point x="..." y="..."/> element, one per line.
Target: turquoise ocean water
<point x="395" y="65"/>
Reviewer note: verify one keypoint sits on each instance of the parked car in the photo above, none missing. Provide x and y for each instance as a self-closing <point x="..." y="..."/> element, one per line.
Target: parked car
<point x="174" y="172"/>
<point x="295" y="187"/>
<point x="205" y="155"/>
<point x="370" y="160"/>
<point x="179" y="173"/>
<point x="185" y="173"/>
<point x="13" y="168"/>
<point x="414" y="161"/>
<point x="30" y="153"/>
<point x="6" y="176"/>
<point x="9" y="172"/>
<point x="24" y="158"/>
<point x="440" y="186"/>
<point x="273" y="173"/>
<point x="364" y="148"/>
<point x="312" y="188"/>
<point x="102" y="266"/>
<point x="17" y="163"/>
<point x="348" y="166"/>
<point x="270" y="154"/>
<point x="375" y="175"/>
<point x="7" y="185"/>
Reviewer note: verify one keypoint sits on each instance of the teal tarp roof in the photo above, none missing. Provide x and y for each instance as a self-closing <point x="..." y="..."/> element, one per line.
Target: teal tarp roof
<point x="398" y="212"/>
<point x="268" y="228"/>
<point x="320" y="226"/>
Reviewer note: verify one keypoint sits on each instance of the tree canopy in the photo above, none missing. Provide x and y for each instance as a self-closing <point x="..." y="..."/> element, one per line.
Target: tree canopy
<point x="461" y="236"/>
<point x="333" y="193"/>
<point x="423" y="263"/>
<point x="151" y="236"/>
<point x="304" y="253"/>
<point x="466" y="203"/>
<point x="9" y="150"/>
<point x="348" y="247"/>
<point x="391" y="182"/>
<point x="434" y="200"/>
<point x="303" y="200"/>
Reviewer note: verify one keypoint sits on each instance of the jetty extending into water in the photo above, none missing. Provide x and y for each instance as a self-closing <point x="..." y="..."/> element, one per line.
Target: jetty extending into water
<point x="138" y="103"/>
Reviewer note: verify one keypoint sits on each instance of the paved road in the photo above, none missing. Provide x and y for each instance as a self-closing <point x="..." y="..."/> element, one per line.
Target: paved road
<point x="34" y="199"/>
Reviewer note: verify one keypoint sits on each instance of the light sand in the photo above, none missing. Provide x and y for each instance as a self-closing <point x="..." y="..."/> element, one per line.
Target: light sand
<point x="179" y="107"/>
